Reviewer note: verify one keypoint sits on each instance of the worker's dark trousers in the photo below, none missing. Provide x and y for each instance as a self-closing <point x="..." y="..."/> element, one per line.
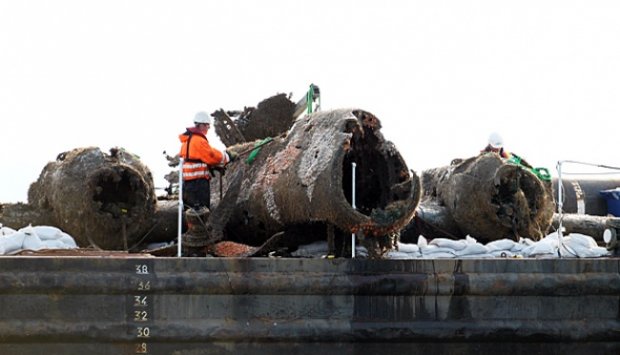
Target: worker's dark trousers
<point x="197" y="193"/>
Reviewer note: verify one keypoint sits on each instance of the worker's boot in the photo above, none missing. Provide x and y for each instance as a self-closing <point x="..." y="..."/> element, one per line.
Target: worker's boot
<point x="195" y="239"/>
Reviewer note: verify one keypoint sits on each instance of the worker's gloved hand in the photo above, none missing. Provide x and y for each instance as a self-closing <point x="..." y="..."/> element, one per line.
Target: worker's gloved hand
<point x="232" y="155"/>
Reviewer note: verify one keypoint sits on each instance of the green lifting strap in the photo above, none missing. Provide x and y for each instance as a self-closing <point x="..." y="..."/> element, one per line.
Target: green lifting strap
<point x="310" y="98"/>
<point x="541" y="173"/>
<point x="255" y="151"/>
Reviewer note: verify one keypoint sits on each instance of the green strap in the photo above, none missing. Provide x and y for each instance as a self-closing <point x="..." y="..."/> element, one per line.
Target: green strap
<point x="309" y="98"/>
<point x="254" y="152"/>
<point x="541" y="173"/>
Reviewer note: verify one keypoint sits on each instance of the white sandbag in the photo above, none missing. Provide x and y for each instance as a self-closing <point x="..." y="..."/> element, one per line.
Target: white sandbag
<point x="422" y="241"/>
<point x="585" y="241"/>
<point x="449" y="243"/>
<point x="581" y="246"/>
<point x="541" y="249"/>
<point x="472" y="249"/>
<point x="52" y="244"/>
<point x="68" y="241"/>
<point x="408" y="248"/>
<point x="12" y="243"/>
<point x="360" y="251"/>
<point x="393" y="254"/>
<point x="433" y="249"/>
<point x="32" y="242"/>
<point x="526" y="241"/>
<point x="31" y="239"/>
<point x="595" y="252"/>
<point x="501" y="244"/>
<point x="4" y="231"/>
<point x="47" y="232"/>
<point x="546" y="246"/>
<point x="470" y="240"/>
<point x="29" y="230"/>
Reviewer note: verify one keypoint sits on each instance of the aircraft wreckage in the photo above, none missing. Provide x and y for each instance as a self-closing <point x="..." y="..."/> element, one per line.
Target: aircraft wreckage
<point x="102" y="200"/>
<point x="292" y="185"/>
<point x="300" y="184"/>
<point x="485" y="197"/>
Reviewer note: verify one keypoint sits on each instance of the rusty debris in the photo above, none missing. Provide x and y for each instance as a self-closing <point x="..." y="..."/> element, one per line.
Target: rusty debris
<point x="485" y="197"/>
<point x="102" y="200"/>
<point x="271" y="117"/>
<point x="231" y="249"/>
<point x="303" y="181"/>
<point x="292" y="185"/>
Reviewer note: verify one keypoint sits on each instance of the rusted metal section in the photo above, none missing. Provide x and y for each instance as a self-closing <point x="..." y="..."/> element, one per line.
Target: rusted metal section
<point x="484" y="197"/>
<point x="303" y="181"/>
<point x="189" y="300"/>
<point x="271" y="117"/>
<point x="105" y="200"/>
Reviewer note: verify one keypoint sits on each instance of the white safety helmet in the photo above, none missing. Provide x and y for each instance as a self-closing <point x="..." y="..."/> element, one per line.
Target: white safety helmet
<point x="495" y="140"/>
<point x="203" y="117"/>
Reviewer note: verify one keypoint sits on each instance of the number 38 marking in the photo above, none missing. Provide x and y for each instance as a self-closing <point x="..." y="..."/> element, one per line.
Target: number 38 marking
<point x="142" y="269"/>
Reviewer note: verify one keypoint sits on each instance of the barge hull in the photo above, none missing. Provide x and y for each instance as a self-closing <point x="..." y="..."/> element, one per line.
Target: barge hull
<point x="156" y="302"/>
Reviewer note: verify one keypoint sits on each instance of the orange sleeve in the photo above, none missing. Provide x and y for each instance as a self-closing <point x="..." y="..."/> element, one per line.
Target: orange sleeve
<point x="201" y="149"/>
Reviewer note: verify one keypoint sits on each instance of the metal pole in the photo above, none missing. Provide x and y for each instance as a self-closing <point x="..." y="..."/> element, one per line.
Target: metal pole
<point x="180" y="229"/>
<point x="353" y="204"/>
<point x="560" y="206"/>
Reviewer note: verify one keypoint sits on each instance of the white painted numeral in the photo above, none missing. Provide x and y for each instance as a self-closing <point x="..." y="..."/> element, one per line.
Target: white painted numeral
<point x="142" y="269"/>
<point x="140" y="301"/>
<point x="143" y="286"/>
<point x="142" y="348"/>
<point x="140" y="316"/>
<point x="144" y="332"/>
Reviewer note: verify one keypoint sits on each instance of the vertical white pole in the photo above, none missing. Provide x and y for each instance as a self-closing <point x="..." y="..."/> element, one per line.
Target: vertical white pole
<point x="180" y="229"/>
<point x="560" y="206"/>
<point x="353" y="165"/>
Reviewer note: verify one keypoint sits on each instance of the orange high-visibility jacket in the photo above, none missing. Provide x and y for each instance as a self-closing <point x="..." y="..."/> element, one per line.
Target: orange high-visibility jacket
<point x="198" y="155"/>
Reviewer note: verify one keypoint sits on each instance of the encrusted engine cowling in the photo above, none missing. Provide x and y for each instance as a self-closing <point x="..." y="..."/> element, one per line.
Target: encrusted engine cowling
<point x="106" y="200"/>
<point x="303" y="179"/>
<point x="485" y="197"/>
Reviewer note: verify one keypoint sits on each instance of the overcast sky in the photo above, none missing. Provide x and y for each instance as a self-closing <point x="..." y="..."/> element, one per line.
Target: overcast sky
<point x="440" y="75"/>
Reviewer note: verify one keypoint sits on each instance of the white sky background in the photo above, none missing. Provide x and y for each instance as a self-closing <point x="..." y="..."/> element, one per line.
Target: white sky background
<point x="440" y="75"/>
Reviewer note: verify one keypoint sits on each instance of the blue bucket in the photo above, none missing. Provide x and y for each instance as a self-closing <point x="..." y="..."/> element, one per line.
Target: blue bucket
<point x="613" y="201"/>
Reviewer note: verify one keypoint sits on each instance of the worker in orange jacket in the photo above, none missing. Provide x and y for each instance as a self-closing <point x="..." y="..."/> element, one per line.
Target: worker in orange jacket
<point x="496" y="145"/>
<point x="198" y="156"/>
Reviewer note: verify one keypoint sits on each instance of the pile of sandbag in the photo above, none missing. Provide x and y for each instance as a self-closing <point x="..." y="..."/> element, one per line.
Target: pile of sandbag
<point x="34" y="238"/>
<point x="573" y="245"/>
